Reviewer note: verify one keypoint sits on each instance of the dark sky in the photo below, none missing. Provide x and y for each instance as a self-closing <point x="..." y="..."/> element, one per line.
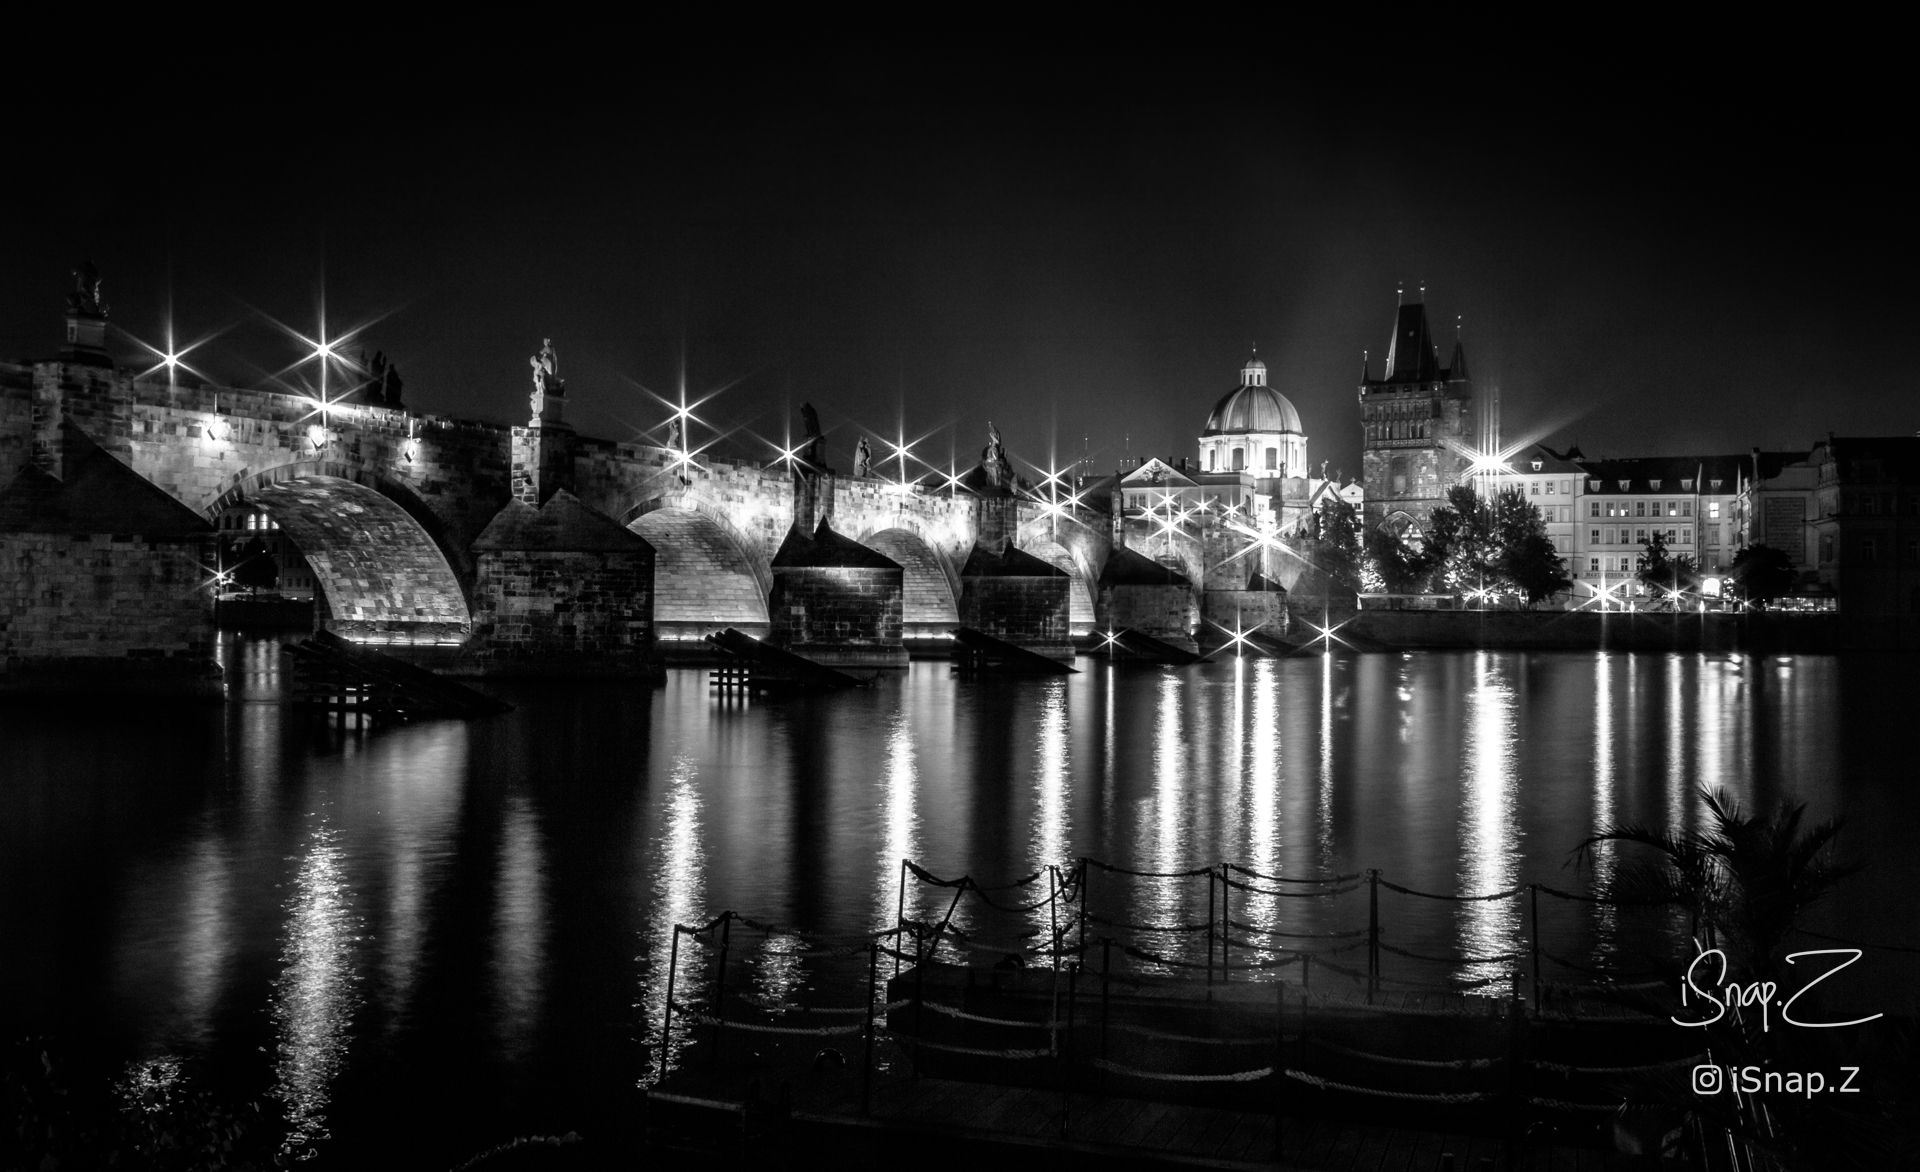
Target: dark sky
<point x="1647" y="259"/>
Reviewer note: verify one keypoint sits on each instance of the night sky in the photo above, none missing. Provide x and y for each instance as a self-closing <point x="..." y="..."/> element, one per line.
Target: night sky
<point x="1081" y="248"/>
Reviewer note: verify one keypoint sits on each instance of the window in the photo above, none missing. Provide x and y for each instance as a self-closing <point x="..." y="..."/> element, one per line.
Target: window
<point x="1239" y="459"/>
<point x="1213" y="458"/>
<point x="1686" y="484"/>
<point x="1566" y="488"/>
<point x="1639" y="508"/>
<point x="1593" y="485"/>
<point x="1593" y="508"/>
<point x="1596" y="539"/>
<point x="1534" y="488"/>
<point x="1639" y="535"/>
<point x="1869" y="549"/>
<point x="1826" y="549"/>
<point x="1593" y="564"/>
<point x="1713" y="510"/>
<point x="1654" y="484"/>
<point x="1686" y="508"/>
<point x="1538" y="464"/>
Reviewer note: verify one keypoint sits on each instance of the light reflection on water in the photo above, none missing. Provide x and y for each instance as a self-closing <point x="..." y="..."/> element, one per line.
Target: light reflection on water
<point x="1490" y="837"/>
<point x="679" y="898"/>
<point x="314" y="998"/>
<point x="1453" y="773"/>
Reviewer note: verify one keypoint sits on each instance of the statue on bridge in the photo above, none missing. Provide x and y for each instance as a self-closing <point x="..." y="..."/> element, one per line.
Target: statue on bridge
<point x="549" y="390"/>
<point x="85" y="298"/>
<point x="546" y="370"/>
<point x="993" y="458"/>
<point x="813" y="445"/>
<point x="862" y="458"/>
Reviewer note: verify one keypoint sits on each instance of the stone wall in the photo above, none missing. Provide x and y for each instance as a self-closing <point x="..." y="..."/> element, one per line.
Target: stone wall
<point x="1243" y="610"/>
<point x="119" y="611"/>
<point x="1165" y="612"/>
<point x="206" y="445"/>
<point x="839" y="615"/>
<point x="1030" y="612"/>
<point x="540" y="610"/>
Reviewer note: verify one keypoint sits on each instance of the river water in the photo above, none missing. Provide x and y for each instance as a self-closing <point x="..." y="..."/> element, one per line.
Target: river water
<point x="456" y="929"/>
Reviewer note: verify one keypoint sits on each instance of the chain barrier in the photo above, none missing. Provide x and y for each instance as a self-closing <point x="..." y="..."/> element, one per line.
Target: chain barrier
<point x="1246" y="927"/>
<point x="1161" y="1076"/>
<point x="1264" y="878"/>
<point x="1238" y="885"/>
<point x="969" y="1051"/>
<point x="1501" y="958"/>
<point x="1327" y="1084"/>
<point x="1642" y="1068"/>
<point x="1453" y="898"/>
<point x="1424" y="1063"/>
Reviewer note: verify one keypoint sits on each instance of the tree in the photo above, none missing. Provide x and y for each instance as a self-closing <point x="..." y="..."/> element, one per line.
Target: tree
<point x="1762" y="573"/>
<point x="1394" y="564"/>
<point x="1666" y="573"/>
<point x="1337" y="542"/>
<point x="1526" y="559"/>
<point x="1488" y="547"/>
<point x="1745" y="876"/>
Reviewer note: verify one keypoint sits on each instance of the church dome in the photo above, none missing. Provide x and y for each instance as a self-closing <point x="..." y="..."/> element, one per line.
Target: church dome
<point x="1251" y="407"/>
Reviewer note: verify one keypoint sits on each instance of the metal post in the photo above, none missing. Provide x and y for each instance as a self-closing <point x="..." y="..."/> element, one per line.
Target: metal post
<point x="919" y="992"/>
<point x="1209" y="930"/>
<point x="1534" y="890"/>
<point x="1083" y="905"/>
<point x="720" y="985"/>
<point x="1226" y="924"/>
<point x="1053" y="919"/>
<point x="1373" y="931"/>
<point x="866" y="1072"/>
<point x="1066" y="1050"/>
<point x="899" y="916"/>
<point x="666" y="1015"/>
<point x="1106" y="991"/>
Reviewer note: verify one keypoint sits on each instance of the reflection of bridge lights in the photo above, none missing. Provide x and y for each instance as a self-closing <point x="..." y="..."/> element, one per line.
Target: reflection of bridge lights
<point x="1236" y="638"/>
<point x="1327" y="635"/>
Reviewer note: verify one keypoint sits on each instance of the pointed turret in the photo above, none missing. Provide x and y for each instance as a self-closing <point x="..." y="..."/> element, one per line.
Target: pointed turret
<point x="1411" y="357"/>
<point x="1457" y="366"/>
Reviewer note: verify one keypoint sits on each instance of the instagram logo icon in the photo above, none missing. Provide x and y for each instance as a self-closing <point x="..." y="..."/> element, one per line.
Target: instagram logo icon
<point x="1707" y="1079"/>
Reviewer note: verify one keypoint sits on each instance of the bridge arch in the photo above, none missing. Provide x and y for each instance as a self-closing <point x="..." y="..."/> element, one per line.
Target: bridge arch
<point x="930" y="586"/>
<point x="380" y="569"/>
<point x="707" y="575"/>
<point x="1080" y="610"/>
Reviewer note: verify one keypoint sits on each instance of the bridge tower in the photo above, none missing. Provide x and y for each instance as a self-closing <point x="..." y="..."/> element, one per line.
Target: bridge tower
<point x="1417" y="421"/>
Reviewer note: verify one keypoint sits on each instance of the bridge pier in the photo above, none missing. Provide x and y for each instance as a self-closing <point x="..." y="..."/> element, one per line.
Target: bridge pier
<point x="836" y="602"/>
<point x="1017" y="598"/>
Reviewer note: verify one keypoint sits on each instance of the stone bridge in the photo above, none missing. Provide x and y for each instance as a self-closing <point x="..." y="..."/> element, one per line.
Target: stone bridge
<point x="388" y="505"/>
